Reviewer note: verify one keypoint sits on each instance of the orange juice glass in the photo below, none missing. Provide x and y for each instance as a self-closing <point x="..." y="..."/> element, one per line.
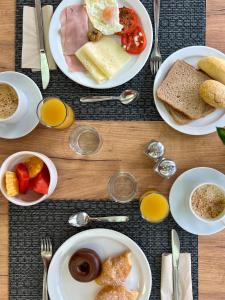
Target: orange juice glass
<point x="154" y="207"/>
<point x="53" y="112"/>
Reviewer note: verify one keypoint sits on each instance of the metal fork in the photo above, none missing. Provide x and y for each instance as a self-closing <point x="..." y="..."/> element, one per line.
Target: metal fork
<point x="156" y="58"/>
<point x="46" y="254"/>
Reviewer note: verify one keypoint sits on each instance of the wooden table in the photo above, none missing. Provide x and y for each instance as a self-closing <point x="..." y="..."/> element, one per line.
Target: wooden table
<point x="122" y="149"/>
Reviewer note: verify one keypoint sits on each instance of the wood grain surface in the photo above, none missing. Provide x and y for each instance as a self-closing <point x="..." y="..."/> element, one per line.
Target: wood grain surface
<point x="123" y="144"/>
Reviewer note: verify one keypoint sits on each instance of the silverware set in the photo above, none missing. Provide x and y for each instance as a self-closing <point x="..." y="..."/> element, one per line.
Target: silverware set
<point x="46" y="254"/>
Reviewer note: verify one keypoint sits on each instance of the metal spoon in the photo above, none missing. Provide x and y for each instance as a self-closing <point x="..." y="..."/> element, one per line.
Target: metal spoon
<point x="82" y="218"/>
<point x="126" y="97"/>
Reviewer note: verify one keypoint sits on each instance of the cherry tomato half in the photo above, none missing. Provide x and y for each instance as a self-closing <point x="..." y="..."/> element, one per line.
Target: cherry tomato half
<point x="135" y="41"/>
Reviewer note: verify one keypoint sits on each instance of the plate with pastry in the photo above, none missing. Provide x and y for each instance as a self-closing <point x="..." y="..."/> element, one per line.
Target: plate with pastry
<point x="189" y="90"/>
<point x="99" y="264"/>
<point x="100" y="44"/>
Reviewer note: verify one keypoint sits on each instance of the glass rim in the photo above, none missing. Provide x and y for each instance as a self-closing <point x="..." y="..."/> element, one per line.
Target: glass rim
<point x="111" y="182"/>
<point x="38" y="114"/>
<point x="142" y="198"/>
<point x="85" y="127"/>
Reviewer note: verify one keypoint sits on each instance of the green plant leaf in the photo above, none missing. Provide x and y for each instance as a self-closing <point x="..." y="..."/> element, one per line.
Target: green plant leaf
<point x="221" y="133"/>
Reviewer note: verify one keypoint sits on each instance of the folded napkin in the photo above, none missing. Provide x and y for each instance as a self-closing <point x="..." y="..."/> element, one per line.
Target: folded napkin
<point x="30" y="46"/>
<point x="185" y="282"/>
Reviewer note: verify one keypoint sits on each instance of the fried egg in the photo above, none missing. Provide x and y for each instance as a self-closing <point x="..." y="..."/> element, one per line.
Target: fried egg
<point x="104" y="15"/>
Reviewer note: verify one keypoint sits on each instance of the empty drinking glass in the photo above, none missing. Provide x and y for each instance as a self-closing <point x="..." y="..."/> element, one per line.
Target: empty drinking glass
<point x="122" y="187"/>
<point x="85" y="140"/>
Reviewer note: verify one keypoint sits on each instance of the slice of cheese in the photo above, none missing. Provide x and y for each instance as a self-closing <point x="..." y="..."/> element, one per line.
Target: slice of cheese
<point x="92" y="68"/>
<point x="106" y="55"/>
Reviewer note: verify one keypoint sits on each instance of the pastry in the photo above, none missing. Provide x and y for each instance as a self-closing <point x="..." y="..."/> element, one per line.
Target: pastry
<point x="213" y="93"/>
<point x="116" y="293"/>
<point x="85" y="265"/>
<point x="214" y="67"/>
<point x="115" y="270"/>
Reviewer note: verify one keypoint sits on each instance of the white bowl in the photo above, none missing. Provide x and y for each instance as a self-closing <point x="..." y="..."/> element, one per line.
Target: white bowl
<point x="9" y="165"/>
<point x="220" y="217"/>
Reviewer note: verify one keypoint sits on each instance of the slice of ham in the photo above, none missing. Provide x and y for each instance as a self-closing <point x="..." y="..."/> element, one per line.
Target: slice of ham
<point x="74" y="29"/>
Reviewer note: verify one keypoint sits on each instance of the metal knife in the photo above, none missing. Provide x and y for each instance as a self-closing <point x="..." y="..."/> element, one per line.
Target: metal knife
<point x="175" y="258"/>
<point x="45" y="74"/>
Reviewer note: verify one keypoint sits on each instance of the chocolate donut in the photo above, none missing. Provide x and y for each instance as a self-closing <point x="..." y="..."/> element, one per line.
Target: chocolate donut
<point x="85" y="265"/>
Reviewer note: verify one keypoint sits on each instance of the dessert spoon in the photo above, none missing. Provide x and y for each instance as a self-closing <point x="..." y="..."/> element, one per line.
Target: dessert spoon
<point x="126" y="97"/>
<point x="82" y="218"/>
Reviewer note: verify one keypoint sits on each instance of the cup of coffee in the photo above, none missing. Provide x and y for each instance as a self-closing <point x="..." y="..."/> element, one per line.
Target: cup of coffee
<point x="207" y="203"/>
<point x="13" y="103"/>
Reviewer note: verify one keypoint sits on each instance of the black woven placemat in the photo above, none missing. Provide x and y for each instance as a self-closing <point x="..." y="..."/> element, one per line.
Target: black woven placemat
<point x="182" y="23"/>
<point x="27" y="225"/>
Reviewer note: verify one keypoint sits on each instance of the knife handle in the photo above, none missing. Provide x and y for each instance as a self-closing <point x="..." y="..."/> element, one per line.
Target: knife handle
<point x="175" y="284"/>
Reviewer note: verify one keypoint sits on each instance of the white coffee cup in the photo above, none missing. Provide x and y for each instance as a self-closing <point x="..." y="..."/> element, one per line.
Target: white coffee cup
<point x="219" y="218"/>
<point x="21" y="107"/>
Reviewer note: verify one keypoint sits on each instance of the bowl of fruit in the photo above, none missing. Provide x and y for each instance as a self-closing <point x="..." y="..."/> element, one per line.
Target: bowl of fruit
<point x="27" y="178"/>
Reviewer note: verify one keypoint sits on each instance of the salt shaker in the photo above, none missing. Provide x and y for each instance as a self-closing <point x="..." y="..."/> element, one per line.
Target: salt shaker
<point x="165" y="168"/>
<point x="155" y="150"/>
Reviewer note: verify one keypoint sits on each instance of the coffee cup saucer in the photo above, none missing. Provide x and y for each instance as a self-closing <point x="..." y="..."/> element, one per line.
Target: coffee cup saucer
<point x="30" y="120"/>
<point x="179" y="200"/>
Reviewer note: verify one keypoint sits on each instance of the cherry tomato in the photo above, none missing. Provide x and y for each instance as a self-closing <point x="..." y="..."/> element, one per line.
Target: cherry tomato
<point x="22" y="175"/>
<point x="129" y="20"/>
<point x="135" y="41"/>
<point x="40" y="183"/>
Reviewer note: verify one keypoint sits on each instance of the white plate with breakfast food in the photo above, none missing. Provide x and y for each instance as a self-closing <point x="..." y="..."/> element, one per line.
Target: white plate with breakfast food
<point x="92" y="48"/>
<point x="29" y="92"/>
<point x="192" y="191"/>
<point x="98" y="263"/>
<point x="183" y="93"/>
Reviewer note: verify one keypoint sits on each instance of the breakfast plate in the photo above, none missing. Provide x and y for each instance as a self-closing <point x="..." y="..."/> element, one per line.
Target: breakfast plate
<point x="30" y="120"/>
<point x="179" y="200"/>
<point x="135" y="64"/>
<point x="105" y="242"/>
<point x="201" y="126"/>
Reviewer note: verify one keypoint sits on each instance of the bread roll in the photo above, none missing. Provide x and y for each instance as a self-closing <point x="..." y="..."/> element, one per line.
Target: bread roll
<point x="214" y="67"/>
<point x="213" y="93"/>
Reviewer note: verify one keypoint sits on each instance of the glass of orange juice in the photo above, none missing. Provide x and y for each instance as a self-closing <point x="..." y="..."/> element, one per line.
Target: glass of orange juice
<point x="154" y="207"/>
<point x="54" y="113"/>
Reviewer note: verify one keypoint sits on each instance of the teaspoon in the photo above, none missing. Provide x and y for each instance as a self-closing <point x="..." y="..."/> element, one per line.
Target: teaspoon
<point x="126" y="97"/>
<point x="82" y="218"/>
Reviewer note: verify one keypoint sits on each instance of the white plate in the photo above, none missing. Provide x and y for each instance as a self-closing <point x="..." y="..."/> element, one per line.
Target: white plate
<point x="105" y="242"/>
<point x="30" y="120"/>
<point x="204" y="125"/>
<point x="134" y="66"/>
<point x="179" y="199"/>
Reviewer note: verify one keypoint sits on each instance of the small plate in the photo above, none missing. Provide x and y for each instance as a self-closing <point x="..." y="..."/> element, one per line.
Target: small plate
<point x="30" y="120"/>
<point x="179" y="199"/>
<point x="133" y="67"/>
<point x="204" y="125"/>
<point x="105" y="242"/>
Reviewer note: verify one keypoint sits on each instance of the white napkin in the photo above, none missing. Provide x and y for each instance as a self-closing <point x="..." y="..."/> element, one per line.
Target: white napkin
<point x="30" y="46"/>
<point x="185" y="281"/>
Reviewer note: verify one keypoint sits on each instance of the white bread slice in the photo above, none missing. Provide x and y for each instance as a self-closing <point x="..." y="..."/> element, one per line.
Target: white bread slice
<point x="180" y="90"/>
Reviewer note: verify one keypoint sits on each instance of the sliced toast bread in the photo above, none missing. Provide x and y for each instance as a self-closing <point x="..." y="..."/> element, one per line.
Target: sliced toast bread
<point x="181" y="118"/>
<point x="180" y="90"/>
